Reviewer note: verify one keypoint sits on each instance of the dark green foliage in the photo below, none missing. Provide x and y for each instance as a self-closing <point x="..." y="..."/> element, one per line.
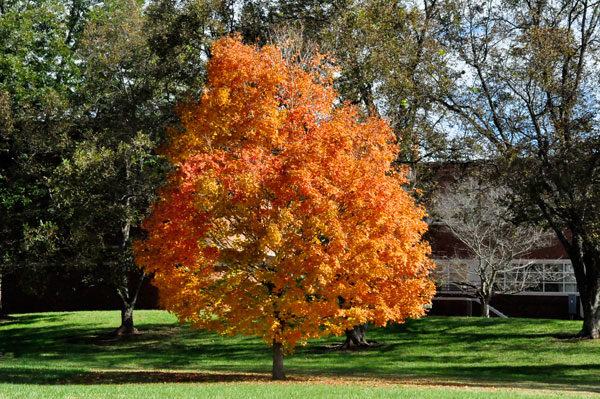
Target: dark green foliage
<point x="38" y="74"/>
<point x="84" y="101"/>
<point x="529" y="94"/>
<point x="392" y="63"/>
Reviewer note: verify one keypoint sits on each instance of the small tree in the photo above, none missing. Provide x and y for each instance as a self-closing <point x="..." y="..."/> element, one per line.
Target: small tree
<point x="475" y="214"/>
<point x="283" y="219"/>
<point x="108" y="176"/>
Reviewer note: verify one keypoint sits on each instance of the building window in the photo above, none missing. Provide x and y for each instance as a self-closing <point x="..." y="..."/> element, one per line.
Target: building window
<point x="543" y="276"/>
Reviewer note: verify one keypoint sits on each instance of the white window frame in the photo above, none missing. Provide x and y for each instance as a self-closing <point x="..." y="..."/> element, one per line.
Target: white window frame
<point x="565" y="283"/>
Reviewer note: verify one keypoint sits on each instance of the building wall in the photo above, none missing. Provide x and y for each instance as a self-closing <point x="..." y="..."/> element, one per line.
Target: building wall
<point x="529" y="306"/>
<point x="533" y="302"/>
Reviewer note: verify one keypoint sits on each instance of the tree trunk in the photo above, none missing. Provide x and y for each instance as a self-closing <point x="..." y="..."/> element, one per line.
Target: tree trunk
<point x="356" y="337"/>
<point x="278" y="373"/>
<point x="589" y="291"/>
<point x="485" y="308"/>
<point x="591" y="318"/>
<point x="2" y="314"/>
<point x="127" y="327"/>
<point x="586" y="265"/>
<point x="128" y="299"/>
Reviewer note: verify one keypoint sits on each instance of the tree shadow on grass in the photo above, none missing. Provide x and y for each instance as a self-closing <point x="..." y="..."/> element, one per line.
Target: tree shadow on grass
<point x="479" y="329"/>
<point x="97" y="377"/>
<point x="6" y="320"/>
<point x="161" y="347"/>
<point x="560" y="377"/>
<point x="101" y="377"/>
<point x="30" y="353"/>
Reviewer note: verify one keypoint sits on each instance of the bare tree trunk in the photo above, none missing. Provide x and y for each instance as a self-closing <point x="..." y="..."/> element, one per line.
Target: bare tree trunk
<point x="356" y="337"/>
<point x="278" y="373"/>
<point x="485" y="297"/>
<point x="485" y="308"/>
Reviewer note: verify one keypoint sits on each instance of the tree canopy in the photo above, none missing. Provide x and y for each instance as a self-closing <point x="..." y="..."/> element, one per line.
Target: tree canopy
<point x="283" y="218"/>
<point x="527" y="90"/>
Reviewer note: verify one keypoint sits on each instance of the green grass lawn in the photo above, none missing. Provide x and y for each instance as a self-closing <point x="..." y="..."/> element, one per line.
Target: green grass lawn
<point x="59" y="355"/>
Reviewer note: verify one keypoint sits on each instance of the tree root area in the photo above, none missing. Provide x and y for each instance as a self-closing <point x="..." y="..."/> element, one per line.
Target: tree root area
<point x="344" y="346"/>
<point x="573" y="337"/>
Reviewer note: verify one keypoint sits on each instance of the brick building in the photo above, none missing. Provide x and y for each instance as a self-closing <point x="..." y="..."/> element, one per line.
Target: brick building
<point x="554" y="294"/>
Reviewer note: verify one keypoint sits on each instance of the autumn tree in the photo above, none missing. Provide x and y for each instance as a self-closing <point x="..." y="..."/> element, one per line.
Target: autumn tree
<point x="527" y="88"/>
<point x="283" y="218"/>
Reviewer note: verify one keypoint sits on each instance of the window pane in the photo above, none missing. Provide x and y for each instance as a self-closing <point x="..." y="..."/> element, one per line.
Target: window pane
<point x="535" y="288"/>
<point x="437" y="275"/>
<point x="458" y="272"/>
<point x="570" y="287"/>
<point x="532" y="278"/>
<point x="553" y="287"/>
<point x="510" y="277"/>
<point x="553" y="272"/>
<point x="454" y="287"/>
<point x="535" y="269"/>
<point x="569" y="268"/>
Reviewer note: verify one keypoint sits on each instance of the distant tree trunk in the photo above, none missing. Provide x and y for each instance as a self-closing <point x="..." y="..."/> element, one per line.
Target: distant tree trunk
<point x="278" y="373"/>
<point x="128" y="299"/>
<point x="2" y="314"/>
<point x="485" y="308"/>
<point x="356" y="337"/>
<point x="485" y="299"/>
<point x="127" y="326"/>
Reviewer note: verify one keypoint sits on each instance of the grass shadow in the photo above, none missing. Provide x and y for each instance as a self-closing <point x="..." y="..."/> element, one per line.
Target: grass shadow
<point x="97" y="377"/>
<point x="436" y="350"/>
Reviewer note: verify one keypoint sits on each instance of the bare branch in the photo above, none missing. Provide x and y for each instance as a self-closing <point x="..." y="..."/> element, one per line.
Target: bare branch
<point x="476" y="215"/>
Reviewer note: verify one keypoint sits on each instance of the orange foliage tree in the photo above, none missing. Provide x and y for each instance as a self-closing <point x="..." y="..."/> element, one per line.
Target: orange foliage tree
<point x="283" y="218"/>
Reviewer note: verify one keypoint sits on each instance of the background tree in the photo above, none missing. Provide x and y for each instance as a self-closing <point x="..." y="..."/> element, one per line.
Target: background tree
<point x="38" y="74"/>
<point x="180" y="34"/>
<point x="478" y="216"/>
<point x="527" y="84"/>
<point x="136" y="64"/>
<point x="283" y="218"/>
<point x="87" y="90"/>
<point x="108" y="176"/>
<point x="391" y="61"/>
<point x="259" y="18"/>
